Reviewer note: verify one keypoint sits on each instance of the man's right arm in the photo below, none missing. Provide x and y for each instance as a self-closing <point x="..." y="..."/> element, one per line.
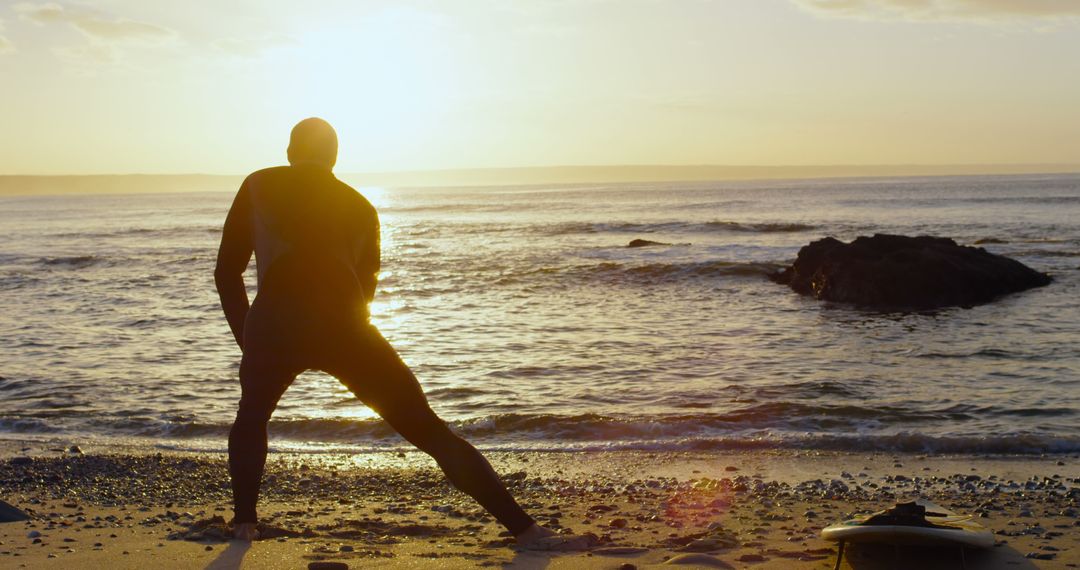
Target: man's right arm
<point x="233" y="257"/>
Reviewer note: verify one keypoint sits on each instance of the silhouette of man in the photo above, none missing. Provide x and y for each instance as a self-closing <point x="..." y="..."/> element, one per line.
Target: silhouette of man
<point x="316" y="246"/>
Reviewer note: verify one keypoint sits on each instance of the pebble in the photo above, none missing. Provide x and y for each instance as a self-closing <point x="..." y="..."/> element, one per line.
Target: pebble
<point x="698" y="560"/>
<point x="619" y="550"/>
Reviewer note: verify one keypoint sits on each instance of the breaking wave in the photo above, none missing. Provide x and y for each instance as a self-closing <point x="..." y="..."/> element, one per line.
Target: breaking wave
<point x="674" y="227"/>
<point x="764" y="426"/>
<point x="762" y="227"/>
<point x="615" y="273"/>
<point x="74" y="262"/>
<point x="668" y="272"/>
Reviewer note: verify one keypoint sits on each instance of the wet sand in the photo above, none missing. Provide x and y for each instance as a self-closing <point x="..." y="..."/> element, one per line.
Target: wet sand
<point x="747" y="509"/>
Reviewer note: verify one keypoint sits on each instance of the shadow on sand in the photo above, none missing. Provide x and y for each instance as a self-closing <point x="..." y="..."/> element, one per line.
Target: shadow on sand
<point x="888" y="557"/>
<point x="232" y="557"/>
<point x="857" y="557"/>
<point x="532" y="560"/>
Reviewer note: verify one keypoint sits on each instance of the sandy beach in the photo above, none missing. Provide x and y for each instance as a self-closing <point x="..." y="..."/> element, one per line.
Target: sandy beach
<point x="751" y="509"/>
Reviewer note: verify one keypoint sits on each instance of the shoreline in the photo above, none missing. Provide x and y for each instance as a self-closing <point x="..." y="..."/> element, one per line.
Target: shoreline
<point x="759" y="509"/>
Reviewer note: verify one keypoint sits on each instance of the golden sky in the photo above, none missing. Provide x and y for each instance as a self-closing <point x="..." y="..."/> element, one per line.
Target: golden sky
<point x="121" y="86"/>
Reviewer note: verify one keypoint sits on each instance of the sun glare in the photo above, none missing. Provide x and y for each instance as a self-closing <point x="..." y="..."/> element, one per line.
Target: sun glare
<point x="384" y="84"/>
<point x="377" y="195"/>
<point x="355" y="413"/>
<point x="388" y="314"/>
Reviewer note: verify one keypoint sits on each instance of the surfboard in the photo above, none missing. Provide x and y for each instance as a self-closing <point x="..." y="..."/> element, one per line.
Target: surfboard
<point x="941" y="527"/>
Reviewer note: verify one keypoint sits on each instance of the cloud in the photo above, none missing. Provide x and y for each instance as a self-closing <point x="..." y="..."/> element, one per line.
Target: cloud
<point x="5" y="44"/>
<point x="107" y="37"/>
<point x="946" y="10"/>
<point x="40" y="13"/>
<point x="250" y="47"/>
<point x="90" y="52"/>
<point x="122" y="30"/>
<point x="95" y="26"/>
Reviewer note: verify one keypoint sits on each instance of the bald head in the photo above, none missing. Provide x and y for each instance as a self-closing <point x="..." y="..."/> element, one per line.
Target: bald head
<point x="313" y="141"/>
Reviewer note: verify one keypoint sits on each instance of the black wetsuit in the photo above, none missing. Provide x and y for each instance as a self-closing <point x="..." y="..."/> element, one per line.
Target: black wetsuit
<point x="316" y="244"/>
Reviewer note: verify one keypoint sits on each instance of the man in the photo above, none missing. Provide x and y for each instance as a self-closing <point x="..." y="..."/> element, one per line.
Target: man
<point x="316" y="246"/>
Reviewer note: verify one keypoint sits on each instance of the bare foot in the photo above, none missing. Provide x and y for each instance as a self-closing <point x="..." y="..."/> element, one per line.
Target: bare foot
<point x="246" y="531"/>
<point x="537" y="537"/>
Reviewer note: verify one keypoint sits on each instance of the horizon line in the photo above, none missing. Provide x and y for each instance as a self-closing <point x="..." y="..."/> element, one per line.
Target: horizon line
<point x="149" y="183"/>
<point x="837" y="165"/>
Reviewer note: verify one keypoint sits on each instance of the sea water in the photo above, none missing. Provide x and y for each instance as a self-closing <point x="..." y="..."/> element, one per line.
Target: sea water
<point x="532" y="326"/>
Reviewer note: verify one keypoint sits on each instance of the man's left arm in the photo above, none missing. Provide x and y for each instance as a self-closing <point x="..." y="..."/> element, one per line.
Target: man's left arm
<point x="233" y="257"/>
<point x="371" y="258"/>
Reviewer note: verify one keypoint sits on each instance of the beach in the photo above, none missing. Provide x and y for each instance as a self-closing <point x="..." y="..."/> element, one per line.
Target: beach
<point x="738" y="509"/>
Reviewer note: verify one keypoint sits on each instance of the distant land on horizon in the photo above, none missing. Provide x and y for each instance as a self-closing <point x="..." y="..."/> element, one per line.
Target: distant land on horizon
<point x="12" y="185"/>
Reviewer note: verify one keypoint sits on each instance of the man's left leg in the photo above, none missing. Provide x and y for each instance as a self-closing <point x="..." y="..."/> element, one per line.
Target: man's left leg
<point x="371" y="369"/>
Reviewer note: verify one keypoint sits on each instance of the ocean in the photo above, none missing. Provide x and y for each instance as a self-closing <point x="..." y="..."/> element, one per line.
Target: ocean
<point x="532" y="326"/>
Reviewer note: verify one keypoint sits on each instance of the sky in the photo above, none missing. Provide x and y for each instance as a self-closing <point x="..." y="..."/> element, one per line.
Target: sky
<point x="204" y="86"/>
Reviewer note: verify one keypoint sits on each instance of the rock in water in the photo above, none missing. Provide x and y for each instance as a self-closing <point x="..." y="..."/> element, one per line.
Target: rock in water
<point x="9" y="513"/>
<point x="901" y="272"/>
<point x="644" y="243"/>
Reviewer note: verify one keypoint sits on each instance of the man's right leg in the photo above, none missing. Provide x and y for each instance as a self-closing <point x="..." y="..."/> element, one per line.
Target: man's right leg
<point x="263" y="381"/>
